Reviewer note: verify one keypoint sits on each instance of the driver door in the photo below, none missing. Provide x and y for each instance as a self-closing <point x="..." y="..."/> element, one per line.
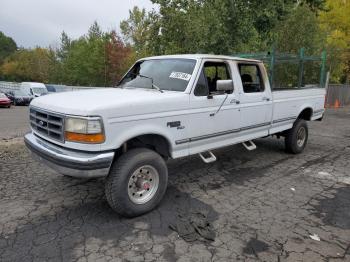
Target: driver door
<point x="215" y="116"/>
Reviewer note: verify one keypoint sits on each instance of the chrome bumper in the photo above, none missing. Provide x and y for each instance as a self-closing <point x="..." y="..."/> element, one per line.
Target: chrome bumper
<point x="69" y="162"/>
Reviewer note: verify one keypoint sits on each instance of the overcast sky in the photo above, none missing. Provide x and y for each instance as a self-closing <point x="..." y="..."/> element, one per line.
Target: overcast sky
<point x="40" y="22"/>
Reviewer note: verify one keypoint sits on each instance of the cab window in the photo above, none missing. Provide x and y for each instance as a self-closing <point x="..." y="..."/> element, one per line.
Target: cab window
<point x="251" y="78"/>
<point x="211" y="72"/>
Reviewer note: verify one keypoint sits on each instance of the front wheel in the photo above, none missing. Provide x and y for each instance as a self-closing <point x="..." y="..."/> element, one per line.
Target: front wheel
<point x="136" y="182"/>
<point x="296" y="138"/>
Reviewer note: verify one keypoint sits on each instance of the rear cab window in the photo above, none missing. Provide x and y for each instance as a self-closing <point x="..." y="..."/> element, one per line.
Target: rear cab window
<point x="251" y="78"/>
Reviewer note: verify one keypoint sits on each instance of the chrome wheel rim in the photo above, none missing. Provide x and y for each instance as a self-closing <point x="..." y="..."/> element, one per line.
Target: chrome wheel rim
<point x="301" y="136"/>
<point x="143" y="184"/>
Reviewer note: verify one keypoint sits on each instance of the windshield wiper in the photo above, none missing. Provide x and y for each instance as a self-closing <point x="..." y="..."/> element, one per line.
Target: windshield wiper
<point x="153" y="85"/>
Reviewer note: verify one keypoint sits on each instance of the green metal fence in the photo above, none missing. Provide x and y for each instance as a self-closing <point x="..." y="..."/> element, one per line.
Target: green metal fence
<point x="272" y="59"/>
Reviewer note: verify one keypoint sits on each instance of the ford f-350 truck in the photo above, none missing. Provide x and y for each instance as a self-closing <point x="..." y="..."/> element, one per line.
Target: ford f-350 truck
<point x="165" y="107"/>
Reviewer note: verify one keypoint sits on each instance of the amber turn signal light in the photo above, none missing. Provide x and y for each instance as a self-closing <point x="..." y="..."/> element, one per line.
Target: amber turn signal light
<point x="85" y="138"/>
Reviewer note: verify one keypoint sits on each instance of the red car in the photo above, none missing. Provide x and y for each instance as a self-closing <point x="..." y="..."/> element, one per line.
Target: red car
<point x="4" y="101"/>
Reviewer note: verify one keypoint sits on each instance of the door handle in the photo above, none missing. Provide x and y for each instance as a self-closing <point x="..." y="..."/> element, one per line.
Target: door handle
<point x="266" y="98"/>
<point x="235" y="101"/>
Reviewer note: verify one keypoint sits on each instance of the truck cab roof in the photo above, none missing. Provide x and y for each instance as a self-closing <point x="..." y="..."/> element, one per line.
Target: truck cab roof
<point x="200" y="56"/>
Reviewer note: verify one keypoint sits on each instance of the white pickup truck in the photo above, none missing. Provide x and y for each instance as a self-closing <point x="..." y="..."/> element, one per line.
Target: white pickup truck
<point x="165" y="107"/>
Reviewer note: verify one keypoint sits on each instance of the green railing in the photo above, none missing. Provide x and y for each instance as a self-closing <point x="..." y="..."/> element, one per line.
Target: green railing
<point x="272" y="58"/>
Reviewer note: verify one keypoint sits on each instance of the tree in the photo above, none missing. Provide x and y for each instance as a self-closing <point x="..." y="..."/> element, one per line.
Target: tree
<point x="28" y="65"/>
<point x="315" y="5"/>
<point x="299" y="30"/>
<point x="7" y="47"/>
<point x="137" y="30"/>
<point x="221" y="26"/>
<point x="82" y="61"/>
<point x="267" y="15"/>
<point x="63" y="51"/>
<point x="95" y="31"/>
<point x="336" y="25"/>
<point x="119" y="58"/>
<point x="95" y="59"/>
<point x="188" y="26"/>
<point x="203" y="26"/>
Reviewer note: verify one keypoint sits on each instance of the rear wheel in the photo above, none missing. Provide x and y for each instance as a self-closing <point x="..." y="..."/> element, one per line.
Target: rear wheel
<point x="136" y="182"/>
<point x="296" y="138"/>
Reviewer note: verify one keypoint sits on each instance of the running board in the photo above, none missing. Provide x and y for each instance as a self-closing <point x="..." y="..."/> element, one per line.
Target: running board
<point x="210" y="159"/>
<point x="249" y="145"/>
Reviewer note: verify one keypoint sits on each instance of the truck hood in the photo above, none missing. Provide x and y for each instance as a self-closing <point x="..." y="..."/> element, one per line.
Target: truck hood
<point x="111" y="102"/>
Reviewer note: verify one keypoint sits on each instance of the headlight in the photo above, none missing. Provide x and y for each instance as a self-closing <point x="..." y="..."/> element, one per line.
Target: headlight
<point x="84" y="130"/>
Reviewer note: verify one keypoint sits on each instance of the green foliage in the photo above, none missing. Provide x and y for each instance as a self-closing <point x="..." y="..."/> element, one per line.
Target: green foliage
<point x="28" y="65"/>
<point x="336" y="25"/>
<point x="95" y="59"/>
<point x="192" y="26"/>
<point x="63" y="51"/>
<point x="7" y="46"/>
<point x="137" y="30"/>
<point x="220" y="27"/>
<point x="119" y="58"/>
<point x="84" y="61"/>
<point x="299" y="29"/>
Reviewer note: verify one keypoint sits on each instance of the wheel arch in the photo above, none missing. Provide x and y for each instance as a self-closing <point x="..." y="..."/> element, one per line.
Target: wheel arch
<point x="156" y="142"/>
<point x="152" y="140"/>
<point x="306" y="113"/>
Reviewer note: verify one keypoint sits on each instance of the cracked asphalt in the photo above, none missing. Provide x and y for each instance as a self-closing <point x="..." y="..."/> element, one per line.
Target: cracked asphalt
<point x="264" y="205"/>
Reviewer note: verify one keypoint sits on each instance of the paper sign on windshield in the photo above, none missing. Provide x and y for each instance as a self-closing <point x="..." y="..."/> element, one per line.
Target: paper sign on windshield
<point x="180" y="75"/>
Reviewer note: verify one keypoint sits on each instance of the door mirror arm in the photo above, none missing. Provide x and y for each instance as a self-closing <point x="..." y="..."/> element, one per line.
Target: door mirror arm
<point x="223" y="102"/>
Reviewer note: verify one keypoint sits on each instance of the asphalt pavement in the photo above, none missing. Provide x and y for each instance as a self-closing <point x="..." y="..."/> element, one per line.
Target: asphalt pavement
<point x="265" y="205"/>
<point x="14" y="122"/>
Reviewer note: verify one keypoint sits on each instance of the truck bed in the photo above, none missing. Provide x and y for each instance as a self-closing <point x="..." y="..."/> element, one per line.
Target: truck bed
<point x="290" y="102"/>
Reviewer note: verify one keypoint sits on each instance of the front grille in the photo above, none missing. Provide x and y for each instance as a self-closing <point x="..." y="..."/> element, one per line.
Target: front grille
<point x="48" y="124"/>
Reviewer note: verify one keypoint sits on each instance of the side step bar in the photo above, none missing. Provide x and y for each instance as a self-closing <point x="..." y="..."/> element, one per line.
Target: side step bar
<point x="249" y="145"/>
<point x="208" y="159"/>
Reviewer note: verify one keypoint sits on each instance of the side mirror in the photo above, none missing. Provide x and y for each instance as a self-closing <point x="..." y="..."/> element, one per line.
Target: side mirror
<point x="224" y="85"/>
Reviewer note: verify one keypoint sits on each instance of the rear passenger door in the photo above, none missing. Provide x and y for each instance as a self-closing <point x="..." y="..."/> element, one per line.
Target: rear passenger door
<point x="256" y="100"/>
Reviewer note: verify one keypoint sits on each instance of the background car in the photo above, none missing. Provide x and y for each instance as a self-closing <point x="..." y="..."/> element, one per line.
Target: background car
<point x="33" y="89"/>
<point x="4" y="101"/>
<point x="51" y="88"/>
<point x="18" y="97"/>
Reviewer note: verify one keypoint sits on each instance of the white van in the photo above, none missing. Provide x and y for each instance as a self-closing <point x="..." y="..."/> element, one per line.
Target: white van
<point x="34" y="89"/>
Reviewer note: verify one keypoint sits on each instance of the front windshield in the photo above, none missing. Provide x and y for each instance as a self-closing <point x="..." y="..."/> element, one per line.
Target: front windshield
<point x="2" y="95"/>
<point x="167" y="74"/>
<point x="39" y="90"/>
